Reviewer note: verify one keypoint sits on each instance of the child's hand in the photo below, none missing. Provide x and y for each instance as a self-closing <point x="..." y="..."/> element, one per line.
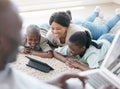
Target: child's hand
<point x="72" y="63"/>
<point x="69" y="63"/>
<point x="27" y="51"/>
<point x="33" y="52"/>
<point x="75" y="64"/>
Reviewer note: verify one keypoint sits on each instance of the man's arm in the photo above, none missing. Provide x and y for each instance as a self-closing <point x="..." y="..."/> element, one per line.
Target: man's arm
<point x="60" y="81"/>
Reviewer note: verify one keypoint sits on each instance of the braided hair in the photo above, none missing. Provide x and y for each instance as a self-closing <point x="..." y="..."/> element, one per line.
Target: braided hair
<point x="83" y="38"/>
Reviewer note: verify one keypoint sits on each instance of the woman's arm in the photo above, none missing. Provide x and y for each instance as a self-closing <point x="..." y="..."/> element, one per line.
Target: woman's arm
<point x="48" y="54"/>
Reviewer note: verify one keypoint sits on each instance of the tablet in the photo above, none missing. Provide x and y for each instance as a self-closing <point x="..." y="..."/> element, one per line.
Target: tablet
<point x="39" y="65"/>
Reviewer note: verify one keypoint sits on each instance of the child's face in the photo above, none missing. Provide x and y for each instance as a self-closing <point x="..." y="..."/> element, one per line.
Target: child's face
<point x="33" y="39"/>
<point x="74" y="49"/>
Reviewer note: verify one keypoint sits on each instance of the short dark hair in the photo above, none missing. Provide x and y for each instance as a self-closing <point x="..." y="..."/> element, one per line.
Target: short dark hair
<point x="61" y="18"/>
<point x="83" y="38"/>
<point x="33" y="29"/>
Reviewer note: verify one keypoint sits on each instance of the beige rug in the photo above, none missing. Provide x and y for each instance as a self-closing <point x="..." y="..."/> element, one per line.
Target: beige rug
<point x="58" y="66"/>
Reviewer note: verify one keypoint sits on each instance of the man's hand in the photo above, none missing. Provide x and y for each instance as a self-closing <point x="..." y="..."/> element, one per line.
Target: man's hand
<point x="61" y="80"/>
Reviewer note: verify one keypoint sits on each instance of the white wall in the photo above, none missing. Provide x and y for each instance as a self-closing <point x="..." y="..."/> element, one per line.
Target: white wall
<point x="56" y="4"/>
<point x="116" y="1"/>
<point x="88" y="2"/>
<point x="45" y="4"/>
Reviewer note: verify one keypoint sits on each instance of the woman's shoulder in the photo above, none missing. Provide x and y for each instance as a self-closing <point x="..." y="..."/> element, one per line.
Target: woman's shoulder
<point x="75" y="28"/>
<point x="49" y="33"/>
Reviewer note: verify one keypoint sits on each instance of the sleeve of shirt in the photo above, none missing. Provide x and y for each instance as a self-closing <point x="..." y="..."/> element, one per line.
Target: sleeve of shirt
<point x="62" y="50"/>
<point x="93" y="61"/>
<point x="44" y="45"/>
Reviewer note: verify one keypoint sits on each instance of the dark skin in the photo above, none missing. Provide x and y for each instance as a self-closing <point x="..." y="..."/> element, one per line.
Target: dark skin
<point x="33" y="40"/>
<point x="74" y="50"/>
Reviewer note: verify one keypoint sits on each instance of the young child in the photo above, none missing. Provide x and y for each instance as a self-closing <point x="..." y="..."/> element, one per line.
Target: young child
<point x="82" y="52"/>
<point x="35" y="43"/>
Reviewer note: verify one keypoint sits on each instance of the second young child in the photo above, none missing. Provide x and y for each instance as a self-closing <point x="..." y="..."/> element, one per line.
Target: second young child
<point x="82" y="52"/>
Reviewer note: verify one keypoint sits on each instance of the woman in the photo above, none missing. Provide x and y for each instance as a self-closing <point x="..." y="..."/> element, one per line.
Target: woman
<point x="61" y="28"/>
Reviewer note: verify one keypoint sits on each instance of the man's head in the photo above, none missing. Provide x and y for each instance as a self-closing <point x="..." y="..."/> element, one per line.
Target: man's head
<point x="10" y="32"/>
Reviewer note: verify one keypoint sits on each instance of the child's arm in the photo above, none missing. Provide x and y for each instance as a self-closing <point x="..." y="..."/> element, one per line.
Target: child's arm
<point x="48" y="54"/>
<point x="72" y="64"/>
<point x="60" y="57"/>
<point x="78" y="65"/>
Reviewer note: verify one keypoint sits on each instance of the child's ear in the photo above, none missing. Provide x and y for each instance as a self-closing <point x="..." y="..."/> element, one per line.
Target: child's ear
<point x="83" y="48"/>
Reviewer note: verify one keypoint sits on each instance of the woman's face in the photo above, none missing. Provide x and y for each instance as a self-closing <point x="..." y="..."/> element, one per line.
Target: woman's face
<point x="58" y="30"/>
<point x="33" y="39"/>
<point x="74" y="49"/>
